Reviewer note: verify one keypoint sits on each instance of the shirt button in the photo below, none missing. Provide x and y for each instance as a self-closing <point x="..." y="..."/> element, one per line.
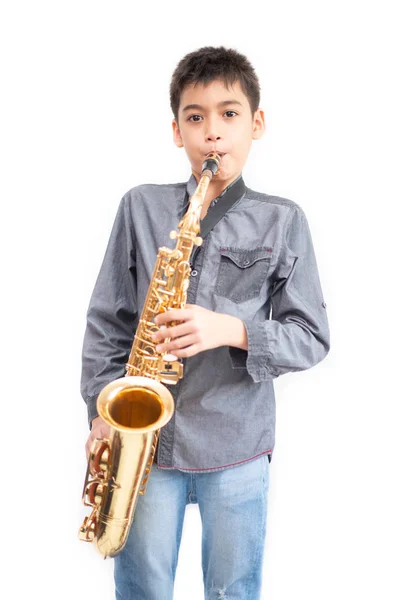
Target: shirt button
<point x="246" y="262"/>
<point x="194" y="273"/>
<point x="324" y="304"/>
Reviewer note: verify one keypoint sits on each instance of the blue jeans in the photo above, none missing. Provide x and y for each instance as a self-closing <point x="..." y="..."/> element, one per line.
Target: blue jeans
<point x="233" y="509"/>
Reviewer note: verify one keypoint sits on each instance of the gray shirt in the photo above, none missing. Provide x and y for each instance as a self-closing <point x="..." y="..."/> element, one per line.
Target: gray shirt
<point x="257" y="264"/>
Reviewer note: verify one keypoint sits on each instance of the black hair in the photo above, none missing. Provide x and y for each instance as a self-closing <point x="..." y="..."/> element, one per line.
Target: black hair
<point x="210" y="64"/>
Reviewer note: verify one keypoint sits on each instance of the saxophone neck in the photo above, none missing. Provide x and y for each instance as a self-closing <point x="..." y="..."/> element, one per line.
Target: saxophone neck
<point x="197" y="200"/>
<point x="191" y="220"/>
<point x="209" y="169"/>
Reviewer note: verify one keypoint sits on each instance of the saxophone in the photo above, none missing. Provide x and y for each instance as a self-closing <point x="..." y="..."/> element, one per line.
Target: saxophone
<point x="138" y="405"/>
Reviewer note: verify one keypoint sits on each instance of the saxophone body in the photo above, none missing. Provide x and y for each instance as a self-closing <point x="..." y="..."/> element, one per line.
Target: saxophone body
<point x="138" y="405"/>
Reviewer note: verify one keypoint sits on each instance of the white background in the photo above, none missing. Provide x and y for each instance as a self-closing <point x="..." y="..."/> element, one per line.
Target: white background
<point x="85" y="116"/>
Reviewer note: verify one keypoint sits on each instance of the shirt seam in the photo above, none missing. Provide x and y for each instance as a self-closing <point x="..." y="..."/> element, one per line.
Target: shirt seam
<point x="284" y="229"/>
<point x="217" y="468"/>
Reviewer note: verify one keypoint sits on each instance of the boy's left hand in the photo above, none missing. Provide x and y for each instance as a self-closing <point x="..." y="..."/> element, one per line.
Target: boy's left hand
<point x="199" y="329"/>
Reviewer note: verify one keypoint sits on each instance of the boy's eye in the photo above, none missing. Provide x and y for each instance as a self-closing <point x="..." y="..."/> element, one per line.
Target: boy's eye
<point x="228" y="113"/>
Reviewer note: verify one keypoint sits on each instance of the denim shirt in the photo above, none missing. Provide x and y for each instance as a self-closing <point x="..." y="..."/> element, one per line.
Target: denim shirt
<point x="257" y="264"/>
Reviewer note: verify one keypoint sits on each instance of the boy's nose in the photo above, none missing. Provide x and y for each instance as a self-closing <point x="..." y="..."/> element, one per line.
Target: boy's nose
<point x="212" y="137"/>
<point x="212" y="131"/>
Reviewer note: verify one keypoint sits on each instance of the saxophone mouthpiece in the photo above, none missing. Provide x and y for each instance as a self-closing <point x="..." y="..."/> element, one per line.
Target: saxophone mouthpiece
<point x="211" y="163"/>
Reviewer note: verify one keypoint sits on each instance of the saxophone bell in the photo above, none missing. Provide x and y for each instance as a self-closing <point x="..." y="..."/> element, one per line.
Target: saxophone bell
<point x="118" y="468"/>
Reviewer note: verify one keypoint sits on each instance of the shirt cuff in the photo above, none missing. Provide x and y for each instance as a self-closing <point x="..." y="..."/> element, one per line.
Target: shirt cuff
<point x="92" y="409"/>
<point x="258" y="354"/>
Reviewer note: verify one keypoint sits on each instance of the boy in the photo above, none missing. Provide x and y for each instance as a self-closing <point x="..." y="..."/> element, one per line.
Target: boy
<point x="254" y="311"/>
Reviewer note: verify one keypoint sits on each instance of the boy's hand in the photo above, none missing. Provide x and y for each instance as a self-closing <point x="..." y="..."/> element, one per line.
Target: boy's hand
<point x="199" y="329"/>
<point x="100" y="429"/>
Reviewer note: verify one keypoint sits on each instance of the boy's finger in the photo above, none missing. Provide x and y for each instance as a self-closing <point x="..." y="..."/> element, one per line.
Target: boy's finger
<point x="176" y="314"/>
<point x="172" y="332"/>
<point x="182" y="342"/>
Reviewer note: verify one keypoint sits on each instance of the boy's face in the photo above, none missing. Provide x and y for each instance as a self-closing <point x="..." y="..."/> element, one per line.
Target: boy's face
<point x="214" y="118"/>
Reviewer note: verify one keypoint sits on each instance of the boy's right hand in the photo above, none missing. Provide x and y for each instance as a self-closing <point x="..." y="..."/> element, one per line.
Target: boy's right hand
<point x="100" y="429"/>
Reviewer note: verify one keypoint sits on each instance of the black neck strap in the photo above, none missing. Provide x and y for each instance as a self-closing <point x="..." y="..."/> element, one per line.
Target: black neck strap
<point x="216" y="212"/>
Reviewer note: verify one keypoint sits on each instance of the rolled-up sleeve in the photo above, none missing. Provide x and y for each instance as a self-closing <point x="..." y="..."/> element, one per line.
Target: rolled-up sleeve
<point x="296" y="337"/>
<point x="112" y="313"/>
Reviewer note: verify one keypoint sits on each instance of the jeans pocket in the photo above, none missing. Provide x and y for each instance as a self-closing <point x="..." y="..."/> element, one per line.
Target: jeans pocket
<point x="242" y="273"/>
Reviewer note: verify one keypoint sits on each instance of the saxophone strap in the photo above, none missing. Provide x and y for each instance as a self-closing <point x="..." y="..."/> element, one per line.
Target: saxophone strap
<point x="216" y="212"/>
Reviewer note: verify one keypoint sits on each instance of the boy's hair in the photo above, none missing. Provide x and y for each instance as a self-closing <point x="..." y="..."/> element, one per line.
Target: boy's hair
<point x="210" y="64"/>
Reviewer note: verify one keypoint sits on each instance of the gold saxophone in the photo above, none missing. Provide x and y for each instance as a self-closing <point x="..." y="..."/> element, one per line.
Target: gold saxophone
<point x="138" y="405"/>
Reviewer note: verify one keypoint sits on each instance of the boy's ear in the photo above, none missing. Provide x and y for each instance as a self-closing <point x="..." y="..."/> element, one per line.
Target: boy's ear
<point x="177" y="134"/>
<point x="258" y="124"/>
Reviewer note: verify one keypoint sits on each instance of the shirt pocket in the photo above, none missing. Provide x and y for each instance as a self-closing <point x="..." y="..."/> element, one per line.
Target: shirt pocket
<point x="241" y="273"/>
